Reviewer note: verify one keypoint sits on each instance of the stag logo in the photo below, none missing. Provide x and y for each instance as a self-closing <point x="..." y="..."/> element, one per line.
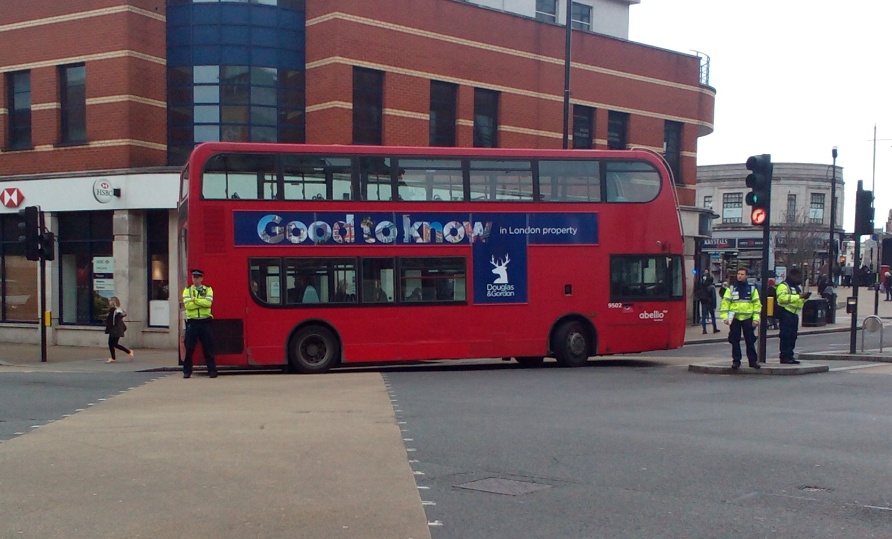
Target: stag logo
<point x="500" y="269"/>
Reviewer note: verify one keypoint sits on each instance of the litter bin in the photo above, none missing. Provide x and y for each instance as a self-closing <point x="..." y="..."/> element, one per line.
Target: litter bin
<point x="830" y="297"/>
<point x="814" y="313"/>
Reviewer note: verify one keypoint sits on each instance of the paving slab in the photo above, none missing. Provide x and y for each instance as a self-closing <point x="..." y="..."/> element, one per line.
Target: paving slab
<point x="260" y="456"/>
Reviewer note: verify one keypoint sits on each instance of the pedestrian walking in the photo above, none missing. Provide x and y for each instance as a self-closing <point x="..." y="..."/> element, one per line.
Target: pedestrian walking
<point x="742" y="310"/>
<point x="708" y="304"/>
<point x="197" y="300"/>
<point x="887" y="284"/>
<point x="790" y="300"/>
<point x="115" y="328"/>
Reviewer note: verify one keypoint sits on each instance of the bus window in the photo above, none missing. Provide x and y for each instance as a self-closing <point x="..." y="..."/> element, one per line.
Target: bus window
<point x="375" y="178"/>
<point x="432" y="279"/>
<point x="377" y="280"/>
<point x="242" y="176"/>
<point x="631" y="181"/>
<point x="265" y="281"/>
<point x="320" y="280"/>
<point x="645" y="277"/>
<point x="430" y="179"/>
<point x="315" y="178"/>
<point x="569" y="181"/>
<point x="501" y="180"/>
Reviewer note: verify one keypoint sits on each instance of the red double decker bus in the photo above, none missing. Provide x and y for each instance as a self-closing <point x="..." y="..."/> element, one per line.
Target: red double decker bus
<point x="328" y="255"/>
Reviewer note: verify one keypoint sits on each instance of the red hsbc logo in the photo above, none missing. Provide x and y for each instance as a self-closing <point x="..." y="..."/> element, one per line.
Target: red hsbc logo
<point x="11" y="197"/>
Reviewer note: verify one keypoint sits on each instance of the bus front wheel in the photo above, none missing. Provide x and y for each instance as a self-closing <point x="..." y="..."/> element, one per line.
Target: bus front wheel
<point x="313" y="349"/>
<point x="571" y="344"/>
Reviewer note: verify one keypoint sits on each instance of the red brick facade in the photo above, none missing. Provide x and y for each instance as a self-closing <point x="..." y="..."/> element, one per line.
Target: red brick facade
<point x="415" y="41"/>
<point x="412" y="41"/>
<point x="122" y="45"/>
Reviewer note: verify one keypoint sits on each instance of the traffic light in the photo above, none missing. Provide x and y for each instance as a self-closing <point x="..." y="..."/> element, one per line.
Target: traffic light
<point x="759" y="181"/>
<point x="863" y="211"/>
<point x="842" y="261"/>
<point x="29" y="231"/>
<point x="46" y="242"/>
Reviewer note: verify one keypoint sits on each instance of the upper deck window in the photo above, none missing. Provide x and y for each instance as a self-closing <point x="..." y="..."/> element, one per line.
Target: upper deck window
<point x="569" y="181"/>
<point x="501" y="180"/>
<point x="299" y="177"/>
<point x="430" y="179"/>
<point x="240" y="176"/>
<point x="631" y="181"/>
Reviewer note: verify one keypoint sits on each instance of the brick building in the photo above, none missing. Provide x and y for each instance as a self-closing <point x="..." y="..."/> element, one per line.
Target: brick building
<point x="101" y="101"/>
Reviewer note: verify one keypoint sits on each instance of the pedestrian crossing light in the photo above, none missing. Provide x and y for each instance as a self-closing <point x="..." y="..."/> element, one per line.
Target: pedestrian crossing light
<point x="759" y="182"/>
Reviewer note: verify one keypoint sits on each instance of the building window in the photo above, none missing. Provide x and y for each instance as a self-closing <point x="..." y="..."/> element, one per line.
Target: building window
<point x="617" y="127"/>
<point x="816" y="208"/>
<point x="486" y="118"/>
<point x="232" y="103"/>
<point x="86" y="266"/>
<point x="18" y="275"/>
<point x="158" y="264"/>
<point x="672" y="148"/>
<point x="791" y="209"/>
<point x="287" y="4"/>
<point x="442" y="113"/>
<point x="546" y="10"/>
<point x="583" y="123"/>
<point x="368" y="106"/>
<point x="732" y="208"/>
<point x="72" y="90"/>
<point x="582" y="17"/>
<point x="19" y="100"/>
<point x="707" y="202"/>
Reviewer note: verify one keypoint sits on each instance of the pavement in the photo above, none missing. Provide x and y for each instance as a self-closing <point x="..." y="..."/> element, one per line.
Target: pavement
<point x="811" y="362"/>
<point x="253" y="455"/>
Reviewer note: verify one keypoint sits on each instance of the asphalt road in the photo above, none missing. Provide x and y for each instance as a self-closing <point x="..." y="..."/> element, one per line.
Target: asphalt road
<point x="29" y="400"/>
<point x="628" y="448"/>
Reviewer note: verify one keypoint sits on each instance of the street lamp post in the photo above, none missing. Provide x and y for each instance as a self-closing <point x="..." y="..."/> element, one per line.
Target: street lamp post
<point x="567" y="39"/>
<point x="832" y="246"/>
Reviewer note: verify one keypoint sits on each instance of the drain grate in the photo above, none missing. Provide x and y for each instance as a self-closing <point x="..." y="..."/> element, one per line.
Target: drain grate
<point x="509" y="487"/>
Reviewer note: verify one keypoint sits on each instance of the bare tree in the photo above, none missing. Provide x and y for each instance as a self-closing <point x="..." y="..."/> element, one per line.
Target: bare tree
<point x="798" y="241"/>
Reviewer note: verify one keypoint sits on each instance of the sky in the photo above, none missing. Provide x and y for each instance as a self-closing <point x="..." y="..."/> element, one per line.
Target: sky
<point x="793" y="79"/>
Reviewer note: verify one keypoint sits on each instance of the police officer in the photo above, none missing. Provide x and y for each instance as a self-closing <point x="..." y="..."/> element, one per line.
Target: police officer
<point x="197" y="300"/>
<point x="742" y="305"/>
<point x="790" y="301"/>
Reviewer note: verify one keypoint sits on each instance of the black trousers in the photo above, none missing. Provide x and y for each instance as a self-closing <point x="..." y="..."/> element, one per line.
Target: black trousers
<point x="749" y="337"/>
<point x="113" y="343"/>
<point x="789" y="331"/>
<point x="199" y="331"/>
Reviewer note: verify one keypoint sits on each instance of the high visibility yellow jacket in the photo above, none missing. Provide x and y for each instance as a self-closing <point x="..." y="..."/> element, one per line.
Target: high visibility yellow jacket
<point x="790" y="297"/>
<point x="742" y="300"/>
<point x="197" y="301"/>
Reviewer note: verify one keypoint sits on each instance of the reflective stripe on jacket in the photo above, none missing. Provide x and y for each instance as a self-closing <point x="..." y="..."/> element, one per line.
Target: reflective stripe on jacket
<point x="198" y="302"/>
<point x="743" y="301"/>
<point x="790" y="297"/>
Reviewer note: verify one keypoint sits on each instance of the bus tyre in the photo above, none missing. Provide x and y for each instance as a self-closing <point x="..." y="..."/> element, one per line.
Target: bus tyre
<point x="571" y="344"/>
<point x="530" y="361"/>
<point x="313" y="349"/>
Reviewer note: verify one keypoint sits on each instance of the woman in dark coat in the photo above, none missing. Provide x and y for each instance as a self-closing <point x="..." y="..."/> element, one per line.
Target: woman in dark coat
<point x="115" y="327"/>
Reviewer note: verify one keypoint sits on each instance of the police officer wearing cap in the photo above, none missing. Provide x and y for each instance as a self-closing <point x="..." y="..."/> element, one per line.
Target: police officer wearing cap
<point x="197" y="299"/>
<point x="790" y="301"/>
<point x="742" y="310"/>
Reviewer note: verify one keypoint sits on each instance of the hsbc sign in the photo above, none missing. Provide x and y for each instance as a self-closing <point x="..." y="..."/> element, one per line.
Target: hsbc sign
<point x="12" y="197"/>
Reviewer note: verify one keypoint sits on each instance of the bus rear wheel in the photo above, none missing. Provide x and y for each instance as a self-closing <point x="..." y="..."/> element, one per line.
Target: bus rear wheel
<point x="313" y="349"/>
<point x="530" y="361"/>
<point x="571" y="344"/>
